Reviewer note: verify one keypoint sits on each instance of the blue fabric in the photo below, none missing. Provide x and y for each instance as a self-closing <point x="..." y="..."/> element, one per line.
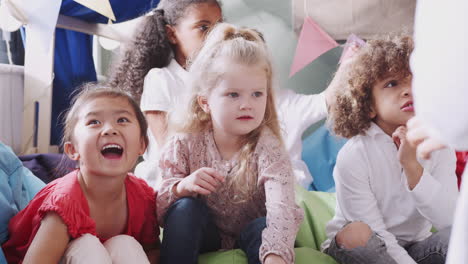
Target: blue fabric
<point x="73" y="61"/>
<point x="123" y="10"/>
<point x="250" y="240"/>
<point x="17" y="187"/>
<point x="73" y="66"/>
<point x="2" y="257"/>
<point x="319" y="152"/>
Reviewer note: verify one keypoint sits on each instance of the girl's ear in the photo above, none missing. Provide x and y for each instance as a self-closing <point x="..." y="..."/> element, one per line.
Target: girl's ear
<point x="142" y="147"/>
<point x="203" y="103"/>
<point x="71" y="152"/>
<point x="170" y="31"/>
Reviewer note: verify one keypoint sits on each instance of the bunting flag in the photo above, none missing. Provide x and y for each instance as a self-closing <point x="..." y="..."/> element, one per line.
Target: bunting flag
<point x="103" y="7"/>
<point x="353" y="43"/>
<point x="312" y="43"/>
<point x="11" y="17"/>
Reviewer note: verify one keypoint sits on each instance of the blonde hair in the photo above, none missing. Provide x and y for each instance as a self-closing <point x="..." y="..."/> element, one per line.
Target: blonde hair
<point x="246" y="47"/>
<point x="380" y="58"/>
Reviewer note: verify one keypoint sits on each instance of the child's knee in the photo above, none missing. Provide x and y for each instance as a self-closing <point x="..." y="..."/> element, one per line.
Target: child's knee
<point x="355" y="234"/>
<point x="121" y="242"/>
<point x="86" y="249"/>
<point x="125" y="249"/>
<point x="85" y="242"/>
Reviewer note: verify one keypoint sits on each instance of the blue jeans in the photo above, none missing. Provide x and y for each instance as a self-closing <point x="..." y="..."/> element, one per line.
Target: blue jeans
<point x="190" y="231"/>
<point x="432" y="250"/>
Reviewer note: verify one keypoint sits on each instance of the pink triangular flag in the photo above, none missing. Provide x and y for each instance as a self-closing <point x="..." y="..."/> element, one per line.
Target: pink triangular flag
<point x="353" y="43"/>
<point x="312" y="43"/>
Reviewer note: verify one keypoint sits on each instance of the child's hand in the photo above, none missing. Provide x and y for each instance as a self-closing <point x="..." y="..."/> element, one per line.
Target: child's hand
<point x="407" y="157"/>
<point x="406" y="152"/>
<point x="420" y="138"/>
<point x="203" y="181"/>
<point x="274" y="259"/>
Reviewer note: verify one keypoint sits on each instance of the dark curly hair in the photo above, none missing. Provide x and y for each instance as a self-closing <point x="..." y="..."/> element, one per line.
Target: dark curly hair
<point x="380" y="58"/>
<point x="150" y="47"/>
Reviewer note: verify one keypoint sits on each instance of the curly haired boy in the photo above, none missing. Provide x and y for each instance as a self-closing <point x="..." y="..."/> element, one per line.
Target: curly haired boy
<point x="387" y="199"/>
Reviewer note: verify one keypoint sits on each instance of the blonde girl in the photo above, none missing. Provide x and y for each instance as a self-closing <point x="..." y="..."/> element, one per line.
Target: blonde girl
<point x="387" y="199"/>
<point x="227" y="180"/>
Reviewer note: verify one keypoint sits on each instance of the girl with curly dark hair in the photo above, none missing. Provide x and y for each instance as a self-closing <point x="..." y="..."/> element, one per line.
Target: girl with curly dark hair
<point x="152" y="68"/>
<point x="387" y="199"/>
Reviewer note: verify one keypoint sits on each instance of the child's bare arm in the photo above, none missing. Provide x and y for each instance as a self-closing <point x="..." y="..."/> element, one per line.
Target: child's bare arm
<point x="50" y="242"/>
<point x="157" y="123"/>
<point x="407" y="157"/>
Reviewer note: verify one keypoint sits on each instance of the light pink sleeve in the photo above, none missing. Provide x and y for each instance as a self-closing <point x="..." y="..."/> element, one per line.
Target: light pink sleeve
<point x="174" y="166"/>
<point x="283" y="214"/>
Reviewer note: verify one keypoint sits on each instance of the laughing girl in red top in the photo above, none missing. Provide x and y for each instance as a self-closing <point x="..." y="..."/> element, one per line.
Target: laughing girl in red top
<point x="99" y="213"/>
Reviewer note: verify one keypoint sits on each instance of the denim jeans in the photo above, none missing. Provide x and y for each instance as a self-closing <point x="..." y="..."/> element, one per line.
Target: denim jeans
<point x="190" y="231"/>
<point x="250" y="239"/>
<point x="432" y="250"/>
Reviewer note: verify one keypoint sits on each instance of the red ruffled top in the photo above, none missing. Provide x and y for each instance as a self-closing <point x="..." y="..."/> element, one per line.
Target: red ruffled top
<point x="65" y="197"/>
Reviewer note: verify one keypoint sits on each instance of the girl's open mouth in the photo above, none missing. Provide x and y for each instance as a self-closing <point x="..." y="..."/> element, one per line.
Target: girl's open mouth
<point x="112" y="151"/>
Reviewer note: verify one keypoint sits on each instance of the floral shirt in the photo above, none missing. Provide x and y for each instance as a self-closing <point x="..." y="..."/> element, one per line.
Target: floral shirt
<point x="185" y="153"/>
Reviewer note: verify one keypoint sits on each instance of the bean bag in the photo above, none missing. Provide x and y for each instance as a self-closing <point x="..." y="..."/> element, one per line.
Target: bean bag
<point x="319" y="208"/>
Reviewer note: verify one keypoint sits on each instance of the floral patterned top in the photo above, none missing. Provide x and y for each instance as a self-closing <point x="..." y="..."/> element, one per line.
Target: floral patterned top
<point x="185" y="153"/>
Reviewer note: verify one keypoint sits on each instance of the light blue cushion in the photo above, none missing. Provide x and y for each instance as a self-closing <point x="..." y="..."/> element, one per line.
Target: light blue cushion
<point x="2" y="257"/>
<point x="17" y="187"/>
<point x="319" y="152"/>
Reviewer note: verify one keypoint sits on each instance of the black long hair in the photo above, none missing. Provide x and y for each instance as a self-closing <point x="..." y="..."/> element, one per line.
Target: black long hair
<point x="150" y="47"/>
